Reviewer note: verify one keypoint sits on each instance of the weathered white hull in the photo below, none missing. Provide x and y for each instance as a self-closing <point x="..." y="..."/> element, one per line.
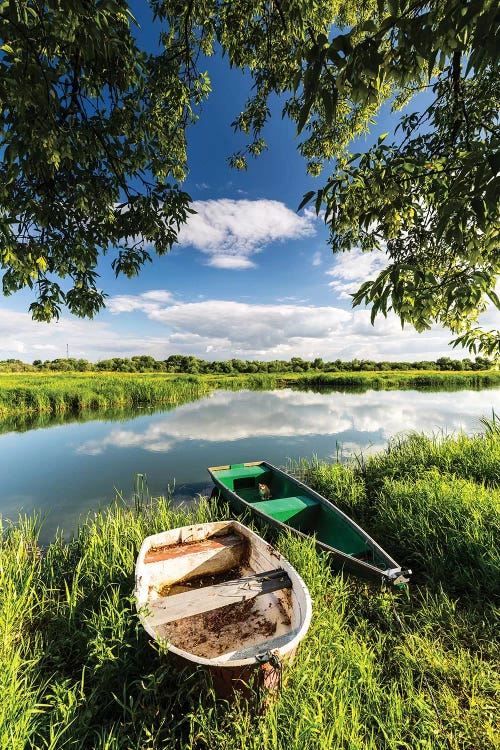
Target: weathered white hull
<point x="201" y="590"/>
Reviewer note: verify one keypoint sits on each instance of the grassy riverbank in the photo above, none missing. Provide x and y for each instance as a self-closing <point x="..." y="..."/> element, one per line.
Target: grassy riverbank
<point x="62" y="393"/>
<point x="59" y="393"/>
<point x="445" y="380"/>
<point x="76" y="669"/>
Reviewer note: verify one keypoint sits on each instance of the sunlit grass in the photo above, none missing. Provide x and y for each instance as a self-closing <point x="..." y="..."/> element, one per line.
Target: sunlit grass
<point x="58" y="394"/>
<point x="63" y="393"/>
<point x="390" y="380"/>
<point x="435" y="502"/>
<point x="378" y="670"/>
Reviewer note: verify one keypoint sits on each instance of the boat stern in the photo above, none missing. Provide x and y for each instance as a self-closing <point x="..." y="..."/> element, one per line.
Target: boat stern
<point x="398" y="577"/>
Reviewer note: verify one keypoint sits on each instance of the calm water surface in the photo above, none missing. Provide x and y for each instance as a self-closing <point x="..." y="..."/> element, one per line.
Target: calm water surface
<point x="65" y="470"/>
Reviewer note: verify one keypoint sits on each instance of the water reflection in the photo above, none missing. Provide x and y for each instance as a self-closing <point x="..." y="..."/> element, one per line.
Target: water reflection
<point x="233" y="416"/>
<point x="26" y="422"/>
<point x="72" y="467"/>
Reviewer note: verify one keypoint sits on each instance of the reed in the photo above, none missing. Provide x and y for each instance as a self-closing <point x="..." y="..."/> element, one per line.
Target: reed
<point x="69" y="394"/>
<point x="396" y="380"/>
<point x="491" y="425"/>
<point x="475" y="458"/>
<point x="378" y="669"/>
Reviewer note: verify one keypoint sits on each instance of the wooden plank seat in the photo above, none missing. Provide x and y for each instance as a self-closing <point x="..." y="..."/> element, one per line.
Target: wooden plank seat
<point x="210" y="545"/>
<point x="284" y="508"/>
<point x="239" y="471"/>
<point x="262" y="647"/>
<point x="170" y="608"/>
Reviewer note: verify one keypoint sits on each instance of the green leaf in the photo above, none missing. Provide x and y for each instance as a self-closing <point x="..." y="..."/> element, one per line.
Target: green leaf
<point x="342" y="43"/>
<point x="494" y="162"/>
<point x="306" y="199"/>
<point x="368" y="25"/>
<point x="319" y="200"/>
<point x="304" y="114"/>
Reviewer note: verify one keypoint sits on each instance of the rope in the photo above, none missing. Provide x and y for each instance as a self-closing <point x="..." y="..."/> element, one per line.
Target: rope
<point x="276" y="667"/>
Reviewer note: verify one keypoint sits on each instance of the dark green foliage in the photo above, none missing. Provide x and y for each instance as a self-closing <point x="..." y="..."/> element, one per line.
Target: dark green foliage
<point x="430" y="199"/>
<point x="93" y="140"/>
<point x="189" y="364"/>
<point x="92" y="137"/>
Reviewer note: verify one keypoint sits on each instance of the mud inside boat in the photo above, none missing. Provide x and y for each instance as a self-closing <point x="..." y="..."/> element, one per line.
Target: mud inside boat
<point x="232" y="627"/>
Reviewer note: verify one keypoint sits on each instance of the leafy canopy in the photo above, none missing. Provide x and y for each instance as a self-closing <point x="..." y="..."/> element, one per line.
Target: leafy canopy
<point x="431" y="200"/>
<point x="93" y="136"/>
<point x="94" y="129"/>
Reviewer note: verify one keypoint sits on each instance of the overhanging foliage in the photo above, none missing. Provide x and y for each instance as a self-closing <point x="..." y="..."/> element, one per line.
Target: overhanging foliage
<point x="93" y="130"/>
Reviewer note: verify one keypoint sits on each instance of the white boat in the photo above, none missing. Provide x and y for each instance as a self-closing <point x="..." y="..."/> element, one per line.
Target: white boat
<point x="219" y="596"/>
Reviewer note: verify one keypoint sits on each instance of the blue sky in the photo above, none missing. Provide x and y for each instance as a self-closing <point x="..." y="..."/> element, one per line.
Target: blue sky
<point x="251" y="278"/>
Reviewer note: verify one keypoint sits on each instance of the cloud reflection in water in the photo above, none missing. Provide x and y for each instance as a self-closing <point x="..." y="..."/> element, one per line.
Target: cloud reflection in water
<point x="361" y="419"/>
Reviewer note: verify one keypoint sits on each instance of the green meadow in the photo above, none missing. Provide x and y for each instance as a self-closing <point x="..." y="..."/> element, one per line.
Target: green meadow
<point x="416" y="669"/>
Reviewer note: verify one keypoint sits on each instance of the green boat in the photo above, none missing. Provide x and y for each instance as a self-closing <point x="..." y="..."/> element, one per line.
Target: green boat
<point x="274" y="497"/>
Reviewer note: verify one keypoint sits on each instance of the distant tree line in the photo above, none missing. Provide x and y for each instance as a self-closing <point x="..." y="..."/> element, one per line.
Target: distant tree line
<point x="180" y="363"/>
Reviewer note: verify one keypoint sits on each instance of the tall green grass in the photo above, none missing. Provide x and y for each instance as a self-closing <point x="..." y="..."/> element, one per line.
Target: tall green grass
<point x="433" y="502"/>
<point x="62" y="394"/>
<point x="443" y="380"/>
<point x="378" y="670"/>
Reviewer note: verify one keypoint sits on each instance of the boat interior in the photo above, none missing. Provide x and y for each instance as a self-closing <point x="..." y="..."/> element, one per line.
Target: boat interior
<point x="290" y="504"/>
<point x="220" y="597"/>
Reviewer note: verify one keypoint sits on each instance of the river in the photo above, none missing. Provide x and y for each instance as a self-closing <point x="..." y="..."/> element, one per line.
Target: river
<point x="65" y="470"/>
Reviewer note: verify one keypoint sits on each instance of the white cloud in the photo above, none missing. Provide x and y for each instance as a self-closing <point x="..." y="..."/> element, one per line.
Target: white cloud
<point x="146" y="302"/>
<point x="157" y="295"/>
<point x="316" y="261"/>
<point x="247" y="327"/>
<point x="222" y="329"/>
<point x="356" y="419"/>
<point x="232" y="262"/>
<point x="23" y="338"/>
<point x="229" y="231"/>
<point x="490" y="319"/>
<point x="352" y="268"/>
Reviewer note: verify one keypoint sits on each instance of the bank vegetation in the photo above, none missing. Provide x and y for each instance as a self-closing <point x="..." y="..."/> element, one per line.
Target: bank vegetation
<point x="188" y="364"/>
<point x="378" y="670"/>
<point x="74" y="393"/>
